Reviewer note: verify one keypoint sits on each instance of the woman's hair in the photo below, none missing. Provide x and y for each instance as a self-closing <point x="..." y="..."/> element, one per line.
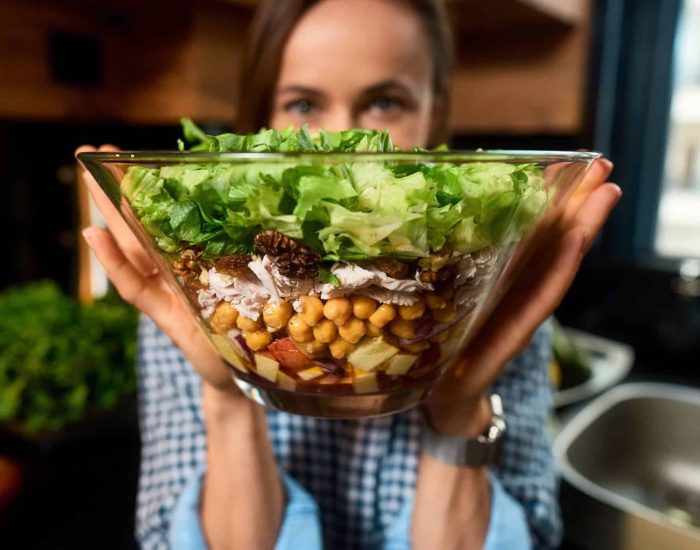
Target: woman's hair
<point x="270" y="29"/>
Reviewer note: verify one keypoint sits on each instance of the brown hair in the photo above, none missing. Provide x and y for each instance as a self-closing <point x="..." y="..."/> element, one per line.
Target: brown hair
<point x="270" y="29"/>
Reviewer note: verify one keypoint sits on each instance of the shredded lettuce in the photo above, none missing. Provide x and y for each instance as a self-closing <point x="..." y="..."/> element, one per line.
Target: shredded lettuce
<point x="350" y="211"/>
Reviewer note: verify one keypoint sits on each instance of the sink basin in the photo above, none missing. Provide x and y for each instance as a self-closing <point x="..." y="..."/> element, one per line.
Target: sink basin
<point x="630" y="463"/>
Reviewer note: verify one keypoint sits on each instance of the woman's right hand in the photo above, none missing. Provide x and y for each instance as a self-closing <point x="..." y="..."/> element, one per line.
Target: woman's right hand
<point x="139" y="282"/>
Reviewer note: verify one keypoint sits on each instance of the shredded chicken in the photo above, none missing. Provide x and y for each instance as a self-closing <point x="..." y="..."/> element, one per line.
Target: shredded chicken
<point x="353" y="278"/>
<point x="250" y="292"/>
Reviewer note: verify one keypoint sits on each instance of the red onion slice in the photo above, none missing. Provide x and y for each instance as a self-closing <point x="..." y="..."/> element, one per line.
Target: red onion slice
<point x="429" y="328"/>
<point x="245" y="350"/>
<point x="330" y="367"/>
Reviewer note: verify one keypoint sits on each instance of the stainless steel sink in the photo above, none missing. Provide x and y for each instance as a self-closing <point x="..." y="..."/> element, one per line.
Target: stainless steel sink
<point x="630" y="463"/>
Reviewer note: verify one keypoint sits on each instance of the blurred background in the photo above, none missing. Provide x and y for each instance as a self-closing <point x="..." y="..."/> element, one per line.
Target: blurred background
<point x="618" y="76"/>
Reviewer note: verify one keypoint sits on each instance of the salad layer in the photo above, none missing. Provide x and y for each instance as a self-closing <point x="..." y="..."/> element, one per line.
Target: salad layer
<point x="343" y="210"/>
<point x="334" y="274"/>
<point x="376" y="323"/>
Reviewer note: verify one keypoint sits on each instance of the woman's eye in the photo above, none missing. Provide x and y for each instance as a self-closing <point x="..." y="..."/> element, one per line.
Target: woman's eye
<point x="300" y="107"/>
<point x="385" y="105"/>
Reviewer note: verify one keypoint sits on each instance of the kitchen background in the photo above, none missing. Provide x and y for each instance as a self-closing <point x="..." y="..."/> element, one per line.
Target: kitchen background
<point x="618" y="76"/>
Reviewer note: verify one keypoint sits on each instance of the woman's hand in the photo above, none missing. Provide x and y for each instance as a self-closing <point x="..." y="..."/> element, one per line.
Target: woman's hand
<point x="458" y="405"/>
<point x="241" y="506"/>
<point x="139" y="282"/>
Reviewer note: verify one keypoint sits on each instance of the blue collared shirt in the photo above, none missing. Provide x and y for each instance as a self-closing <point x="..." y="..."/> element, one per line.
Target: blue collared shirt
<point x="350" y="483"/>
<point x="301" y="527"/>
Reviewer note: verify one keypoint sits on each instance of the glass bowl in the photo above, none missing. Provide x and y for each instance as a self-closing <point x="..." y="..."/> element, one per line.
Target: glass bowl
<point x="310" y="331"/>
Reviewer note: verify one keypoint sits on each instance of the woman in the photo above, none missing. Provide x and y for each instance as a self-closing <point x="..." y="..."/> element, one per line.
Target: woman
<point x="270" y="476"/>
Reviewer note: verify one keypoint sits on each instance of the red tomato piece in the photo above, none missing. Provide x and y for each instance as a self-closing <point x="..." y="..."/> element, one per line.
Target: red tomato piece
<point x="289" y="355"/>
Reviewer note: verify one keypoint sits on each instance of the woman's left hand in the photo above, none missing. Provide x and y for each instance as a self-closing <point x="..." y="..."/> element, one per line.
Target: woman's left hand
<point x="458" y="405"/>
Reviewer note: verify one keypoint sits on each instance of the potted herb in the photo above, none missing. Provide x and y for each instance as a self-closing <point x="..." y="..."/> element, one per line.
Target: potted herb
<point x="62" y="363"/>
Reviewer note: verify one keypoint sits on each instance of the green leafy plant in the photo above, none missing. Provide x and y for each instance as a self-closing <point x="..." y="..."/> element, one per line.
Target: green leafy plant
<point x="59" y="359"/>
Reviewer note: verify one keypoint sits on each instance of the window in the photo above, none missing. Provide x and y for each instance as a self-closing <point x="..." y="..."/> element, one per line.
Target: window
<point x="678" y="230"/>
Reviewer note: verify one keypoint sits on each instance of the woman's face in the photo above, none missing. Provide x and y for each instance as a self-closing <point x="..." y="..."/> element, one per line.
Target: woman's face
<point x="358" y="64"/>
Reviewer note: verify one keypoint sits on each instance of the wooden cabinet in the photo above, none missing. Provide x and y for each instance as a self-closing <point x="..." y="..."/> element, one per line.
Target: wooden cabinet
<point x="158" y="60"/>
<point x="521" y="67"/>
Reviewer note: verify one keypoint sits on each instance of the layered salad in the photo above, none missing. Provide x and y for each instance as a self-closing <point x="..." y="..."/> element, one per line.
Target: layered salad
<point x="334" y="273"/>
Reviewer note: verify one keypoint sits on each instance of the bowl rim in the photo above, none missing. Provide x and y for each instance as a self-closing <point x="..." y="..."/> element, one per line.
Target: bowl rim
<point x="462" y="155"/>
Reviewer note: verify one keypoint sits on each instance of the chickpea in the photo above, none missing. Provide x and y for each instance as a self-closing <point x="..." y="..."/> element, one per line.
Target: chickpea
<point x="363" y="307"/>
<point x="445" y="315"/>
<point x="402" y="328"/>
<point x="277" y="315"/>
<point x="249" y="325"/>
<point x="352" y="330"/>
<point x="435" y="301"/>
<point x="225" y="317"/>
<point x="340" y="348"/>
<point x="258" y="339"/>
<point x="384" y="314"/>
<point x="311" y="309"/>
<point x="325" y="331"/>
<point x="299" y="330"/>
<point x="374" y="331"/>
<point x="314" y="348"/>
<point x="337" y="310"/>
<point x="416" y="311"/>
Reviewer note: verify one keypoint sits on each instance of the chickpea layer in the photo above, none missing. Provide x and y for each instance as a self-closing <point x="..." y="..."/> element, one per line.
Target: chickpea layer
<point x="311" y="310"/>
<point x="384" y="314"/>
<point x="224" y="318"/>
<point x="402" y="328"/>
<point x="411" y="313"/>
<point x="363" y="307"/>
<point x="249" y="325"/>
<point x="338" y="310"/>
<point x="339" y="348"/>
<point x="276" y="316"/>
<point x="298" y="329"/>
<point x="257" y="340"/>
<point x="334" y="328"/>
<point x="353" y="330"/>
<point x="325" y="331"/>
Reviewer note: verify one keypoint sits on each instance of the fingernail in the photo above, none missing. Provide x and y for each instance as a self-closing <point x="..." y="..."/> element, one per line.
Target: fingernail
<point x="88" y="234"/>
<point x="617" y="188"/>
<point x="608" y="163"/>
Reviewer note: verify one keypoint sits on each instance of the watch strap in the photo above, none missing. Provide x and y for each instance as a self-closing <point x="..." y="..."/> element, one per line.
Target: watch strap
<point x="468" y="451"/>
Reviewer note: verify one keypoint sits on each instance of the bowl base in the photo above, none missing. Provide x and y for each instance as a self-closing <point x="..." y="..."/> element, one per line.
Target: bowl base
<point x="323" y="405"/>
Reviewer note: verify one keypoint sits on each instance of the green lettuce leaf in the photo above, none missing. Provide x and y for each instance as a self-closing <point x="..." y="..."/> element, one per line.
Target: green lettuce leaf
<point x="347" y="211"/>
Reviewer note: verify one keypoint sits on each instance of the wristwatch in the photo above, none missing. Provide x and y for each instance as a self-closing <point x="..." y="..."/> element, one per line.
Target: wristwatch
<point x="467" y="451"/>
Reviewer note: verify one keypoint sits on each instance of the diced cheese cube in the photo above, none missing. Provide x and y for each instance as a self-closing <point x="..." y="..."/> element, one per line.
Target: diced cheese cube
<point x="266" y="367"/>
<point x="371" y="353"/>
<point x="286" y="382"/>
<point x="366" y="382"/>
<point x="400" y="363"/>
<point x="228" y="351"/>
<point x="310" y="373"/>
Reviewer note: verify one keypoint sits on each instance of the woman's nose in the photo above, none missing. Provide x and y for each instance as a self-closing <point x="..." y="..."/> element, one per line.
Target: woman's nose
<point x="338" y="118"/>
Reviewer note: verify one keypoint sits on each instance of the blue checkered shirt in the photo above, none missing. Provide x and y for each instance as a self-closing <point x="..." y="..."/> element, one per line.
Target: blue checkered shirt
<point x="359" y="472"/>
